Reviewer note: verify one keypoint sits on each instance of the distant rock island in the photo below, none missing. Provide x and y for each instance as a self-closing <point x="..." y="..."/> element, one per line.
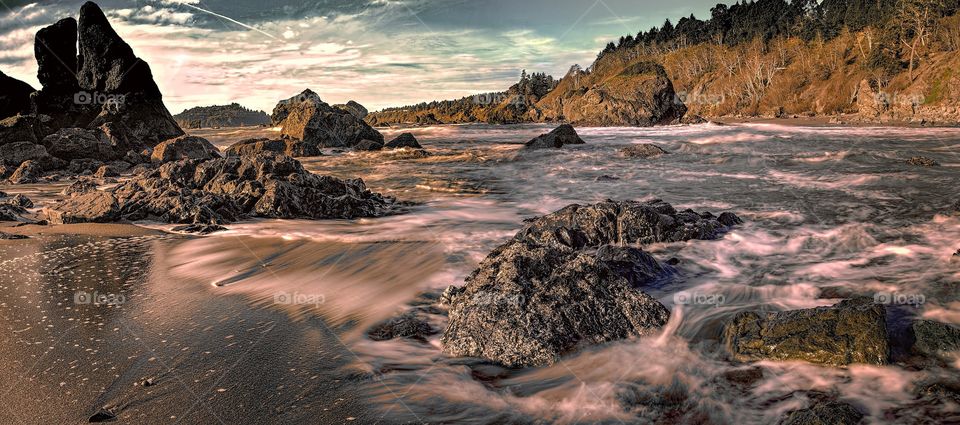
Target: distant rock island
<point x="232" y="115"/>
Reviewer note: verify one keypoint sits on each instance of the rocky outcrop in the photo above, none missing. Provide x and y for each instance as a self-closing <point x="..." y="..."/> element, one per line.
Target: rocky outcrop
<point x="184" y="147"/>
<point x="645" y="150"/>
<point x="853" y="331"/>
<point x="290" y="147"/>
<point x="14" y="97"/>
<point x="567" y="280"/>
<point x="405" y="140"/>
<point x="283" y="108"/>
<point x="565" y="134"/>
<point x="408" y="325"/>
<point x="55" y="48"/>
<point x="354" y="109"/>
<point x="227" y="189"/>
<point x="309" y="119"/>
<point x="824" y="413"/>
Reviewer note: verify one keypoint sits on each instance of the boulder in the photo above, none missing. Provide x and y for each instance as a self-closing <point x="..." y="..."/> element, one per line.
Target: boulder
<point x="15" y="153"/>
<point x="85" y="166"/>
<point x="368" y="145"/>
<point x="405" y="140"/>
<point x="645" y="150"/>
<point x="20" y="128"/>
<point x="408" y="325"/>
<point x="12" y="213"/>
<point x="28" y="172"/>
<point x="81" y="143"/>
<point x="566" y="281"/>
<point x="228" y="189"/>
<point x="55" y="48"/>
<point x="20" y="201"/>
<point x="79" y="187"/>
<point x="852" y="331"/>
<point x="283" y="108"/>
<point x="562" y="135"/>
<point x="934" y="339"/>
<point x="922" y="161"/>
<point x="317" y="123"/>
<point x="14" y="97"/>
<point x="290" y="147"/>
<point x="184" y="147"/>
<point x="354" y="109"/>
<point x="91" y="207"/>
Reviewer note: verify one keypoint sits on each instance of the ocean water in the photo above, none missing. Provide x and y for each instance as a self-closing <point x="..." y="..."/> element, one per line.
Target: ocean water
<point x="825" y="208"/>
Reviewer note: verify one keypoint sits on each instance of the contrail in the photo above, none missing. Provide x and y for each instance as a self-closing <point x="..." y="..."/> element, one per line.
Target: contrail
<point x="229" y="19"/>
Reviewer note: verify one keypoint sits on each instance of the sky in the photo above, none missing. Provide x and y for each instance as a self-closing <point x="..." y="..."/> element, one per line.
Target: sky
<point x="380" y="53"/>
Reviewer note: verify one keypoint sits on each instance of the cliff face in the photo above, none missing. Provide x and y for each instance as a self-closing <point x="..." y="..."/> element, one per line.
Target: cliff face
<point x="232" y="115"/>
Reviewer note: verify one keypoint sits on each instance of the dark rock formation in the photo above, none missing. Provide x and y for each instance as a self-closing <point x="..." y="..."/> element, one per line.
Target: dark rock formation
<point x="405" y="140"/>
<point x="645" y="150"/>
<point x="290" y="147"/>
<point x="561" y="283"/>
<point x="309" y="119"/>
<point x="934" y="339"/>
<point x="408" y="325"/>
<point x="55" y="48"/>
<point x="562" y="135"/>
<point x="15" y="153"/>
<point x="14" y="97"/>
<point x="184" y="147"/>
<point x="79" y="187"/>
<point x="824" y="413"/>
<point x="227" y="189"/>
<point x="368" y="145"/>
<point x="853" y="331"/>
<point x="922" y="161"/>
<point x="354" y="109"/>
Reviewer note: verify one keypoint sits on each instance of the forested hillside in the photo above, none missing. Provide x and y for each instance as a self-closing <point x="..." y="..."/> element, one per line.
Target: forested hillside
<point x="870" y="60"/>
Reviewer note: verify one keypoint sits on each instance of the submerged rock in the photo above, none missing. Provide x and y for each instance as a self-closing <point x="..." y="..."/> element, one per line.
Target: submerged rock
<point x="934" y="339"/>
<point x="922" y="161"/>
<point x="561" y="283"/>
<point x="408" y="325"/>
<point x="824" y="413"/>
<point x="645" y="150"/>
<point x="227" y="189"/>
<point x="368" y="145"/>
<point x="405" y="140"/>
<point x="562" y="135"/>
<point x="184" y="147"/>
<point x="852" y="331"/>
<point x="290" y="147"/>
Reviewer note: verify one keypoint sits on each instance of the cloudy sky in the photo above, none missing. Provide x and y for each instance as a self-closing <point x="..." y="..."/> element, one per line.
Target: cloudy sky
<point x="378" y="52"/>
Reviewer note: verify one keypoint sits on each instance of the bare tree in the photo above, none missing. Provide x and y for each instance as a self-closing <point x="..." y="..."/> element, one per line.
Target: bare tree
<point x="917" y="19"/>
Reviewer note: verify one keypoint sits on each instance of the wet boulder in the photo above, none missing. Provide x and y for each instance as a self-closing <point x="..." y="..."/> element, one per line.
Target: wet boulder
<point x="824" y="413"/>
<point x="562" y="135"/>
<point x="935" y="339"/>
<point x="567" y="281"/>
<point x="184" y="147"/>
<point x="29" y="172"/>
<point x="313" y="121"/>
<point x="408" y="325"/>
<point x="852" y="331"/>
<point x="645" y="150"/>
<point x="405" y="140"/>
<point x="16" y="153"/>
<point x="290" y="147"/>
<point x="14" y="97"/>
<point x="91" y="207"/>
<point x="368" y="146"/>
<point x="354" y="109"/>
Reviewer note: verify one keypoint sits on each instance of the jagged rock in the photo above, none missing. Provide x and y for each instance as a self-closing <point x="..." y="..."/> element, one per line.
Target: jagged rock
<point x="354" y="109"/>
<point x="368" y="145"/>
<point x="645" y="150"/>
<point x="15" y="153"/>
<point x="109" y="68"/>
<point x="290" y="147"/>
<point x="184" y="147"/>
<point x="55" y="48"/>
<point x="20" y="128"/>
<point x="641" y="95"/>
<point x="560" y="284"/>
<point x="405" y="140"/>
<point x="310" y="119"/>
<point x="922" y="161"/>
<point x="562" y="135"/>
<point x="408" y="325"/>
<point x="28" y="172"/>
<point x="20" y="201"/>
<point x="80" y="143"/>
<point x="405" y="153"/>
<point x="283" y="108"/>
<point x="91" y="207"/>
<point x="79" y="187"/>
<point x="199" y="229"/>
<point x="852" y="331"/>
<point x="14" y="97"/>
<point x="227" y="189"/>
<point x="933" y="339"/>
<point x="824" y="413"/>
